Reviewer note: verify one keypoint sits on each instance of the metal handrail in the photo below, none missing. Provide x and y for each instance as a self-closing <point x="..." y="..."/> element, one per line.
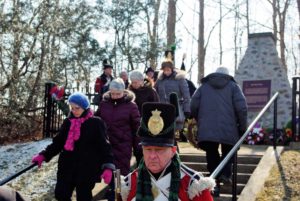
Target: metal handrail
<point x="238" y="144"/>
<point x="4" y="181"/>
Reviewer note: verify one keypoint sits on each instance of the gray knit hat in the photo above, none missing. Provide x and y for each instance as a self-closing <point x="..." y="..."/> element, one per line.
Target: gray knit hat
<point x="117" y="84"/>
<point x="222" y="70"/>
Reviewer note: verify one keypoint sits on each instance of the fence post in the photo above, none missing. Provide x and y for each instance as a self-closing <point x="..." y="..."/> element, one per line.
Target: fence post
<point x="275" y="124"/>
<point x="295" y="108"/>
<point x="234" y="177"/>
<point x="47" y="109"/>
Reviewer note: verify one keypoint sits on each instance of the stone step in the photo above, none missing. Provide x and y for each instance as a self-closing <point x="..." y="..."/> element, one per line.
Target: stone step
<point x="242" y="178"/>
<point x="223" y="197"/>
<point x="201" y="167"/>
<point x="227" y="189"/>
<point x="242" y="159"/>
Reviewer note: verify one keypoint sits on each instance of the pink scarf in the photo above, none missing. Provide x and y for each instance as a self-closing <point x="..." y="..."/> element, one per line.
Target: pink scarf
<point x="74" y="132"/>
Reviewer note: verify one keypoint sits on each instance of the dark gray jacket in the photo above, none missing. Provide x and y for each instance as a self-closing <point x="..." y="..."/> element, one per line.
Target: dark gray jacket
<point x="175" y="83"/>
<point x="220" y="109"/>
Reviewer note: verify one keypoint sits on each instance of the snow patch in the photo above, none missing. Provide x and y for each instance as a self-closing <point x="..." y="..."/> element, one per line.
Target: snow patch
<point x="35" y="184"/>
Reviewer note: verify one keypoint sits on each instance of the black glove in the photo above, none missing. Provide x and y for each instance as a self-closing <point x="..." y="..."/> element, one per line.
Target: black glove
<point x="187" y="115"/>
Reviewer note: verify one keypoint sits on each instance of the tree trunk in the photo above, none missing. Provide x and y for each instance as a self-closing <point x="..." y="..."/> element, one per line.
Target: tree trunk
<point x="236" y="33"/>
<point x="171" y="23"/>
<point x="298" y="3"/>
<point x="31" y="98"/>
<point x="153" y="34"/>
<point x="247" y="17"/>
<point x="282" y="20"/>
<point x="201" y="48"/>
<point x="274" y="19"/>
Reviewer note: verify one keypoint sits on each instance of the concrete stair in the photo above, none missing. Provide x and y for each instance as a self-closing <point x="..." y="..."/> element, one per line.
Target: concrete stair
<point x="246" y="165"/>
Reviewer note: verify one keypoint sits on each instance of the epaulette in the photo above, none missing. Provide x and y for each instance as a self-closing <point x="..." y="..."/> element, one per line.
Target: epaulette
<point x="198" y="182"/>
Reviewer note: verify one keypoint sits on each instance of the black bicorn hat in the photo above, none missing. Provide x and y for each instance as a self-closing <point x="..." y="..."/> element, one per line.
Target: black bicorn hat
<point x="106" y="64"/>
<point x="157" y="124"/>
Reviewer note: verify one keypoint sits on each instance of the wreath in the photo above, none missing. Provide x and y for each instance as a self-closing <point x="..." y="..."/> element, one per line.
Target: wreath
<point x="256" y="135"/>
<point x="190" y="131"/>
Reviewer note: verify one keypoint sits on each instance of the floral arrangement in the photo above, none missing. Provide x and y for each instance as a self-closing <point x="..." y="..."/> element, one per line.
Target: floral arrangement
<point x="256" y="135"/>
<point x="190" y="131"/>
<point x="283" y="135"/>
<point x="288" y="130"/>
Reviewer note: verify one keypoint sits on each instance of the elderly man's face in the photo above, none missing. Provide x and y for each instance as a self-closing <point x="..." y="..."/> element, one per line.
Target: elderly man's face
<point x="136" y="83"/>
<point x="156" y="158"/>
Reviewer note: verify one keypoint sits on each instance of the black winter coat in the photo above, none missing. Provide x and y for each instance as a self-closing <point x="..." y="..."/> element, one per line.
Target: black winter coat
<point x="92" y="151"/>
<point x="146" y="93"/>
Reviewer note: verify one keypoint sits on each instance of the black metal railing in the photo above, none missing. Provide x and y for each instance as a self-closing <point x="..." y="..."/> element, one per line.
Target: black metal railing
<point x="296" y="108"/>
<point x="55" y="111"/>
<point x="4" y="181"/>
<point x="233" y="151"/>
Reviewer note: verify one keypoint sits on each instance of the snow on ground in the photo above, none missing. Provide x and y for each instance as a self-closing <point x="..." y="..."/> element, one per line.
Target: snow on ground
<point x="36" y="184"/>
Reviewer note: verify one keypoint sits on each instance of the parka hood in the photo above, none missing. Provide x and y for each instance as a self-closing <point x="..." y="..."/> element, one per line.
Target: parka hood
<point x="177" y="74"/>
<point x="128" y="97"/>
<point x="217" y="80"/>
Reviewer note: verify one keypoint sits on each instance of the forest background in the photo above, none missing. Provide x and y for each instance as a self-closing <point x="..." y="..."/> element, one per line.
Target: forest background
<point x="65" y="41"/>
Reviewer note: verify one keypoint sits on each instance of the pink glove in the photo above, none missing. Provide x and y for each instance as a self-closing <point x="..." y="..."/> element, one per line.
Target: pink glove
<point x="38" y="159"/>
<point x="106" y="176"/>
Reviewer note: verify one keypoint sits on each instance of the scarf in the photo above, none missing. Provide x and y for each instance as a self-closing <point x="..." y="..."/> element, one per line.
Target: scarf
<point x="144" y="192"/>
<point x="74" y="132"/>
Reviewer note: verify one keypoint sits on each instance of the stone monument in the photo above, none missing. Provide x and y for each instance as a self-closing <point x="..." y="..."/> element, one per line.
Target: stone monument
<point x="261" y="74"/>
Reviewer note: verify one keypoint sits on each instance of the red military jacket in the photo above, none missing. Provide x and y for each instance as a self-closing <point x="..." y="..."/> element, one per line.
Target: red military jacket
<point x="193" y="186"/>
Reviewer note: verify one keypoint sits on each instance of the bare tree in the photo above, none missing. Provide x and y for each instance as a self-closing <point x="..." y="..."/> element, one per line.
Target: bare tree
<point x="201" y="47"/>
<point x="247" y="17"/>
<point x="220" y="32"/>
<point x="298" y="3"/>
<point x="236" y="33"/>
<point x="171" y="23"/>
<point x="280" y="11"/>
<point x="152" y="33"/>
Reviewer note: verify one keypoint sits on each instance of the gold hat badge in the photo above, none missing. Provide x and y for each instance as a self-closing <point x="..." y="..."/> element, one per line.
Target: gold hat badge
<point x="155" y="123"/>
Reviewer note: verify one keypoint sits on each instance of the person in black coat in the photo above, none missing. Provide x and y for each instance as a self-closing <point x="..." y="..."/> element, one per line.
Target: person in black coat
<point x="84" y="152"/>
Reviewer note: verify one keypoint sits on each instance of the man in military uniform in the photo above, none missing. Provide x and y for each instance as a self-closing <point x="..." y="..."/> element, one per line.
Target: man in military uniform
<point x="160" y="175"/>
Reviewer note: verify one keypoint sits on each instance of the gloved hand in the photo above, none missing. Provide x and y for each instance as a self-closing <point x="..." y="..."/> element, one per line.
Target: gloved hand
<point x="106" y="176"/>
<point x="187" y="115"/>
<point x="38" y="159"/>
